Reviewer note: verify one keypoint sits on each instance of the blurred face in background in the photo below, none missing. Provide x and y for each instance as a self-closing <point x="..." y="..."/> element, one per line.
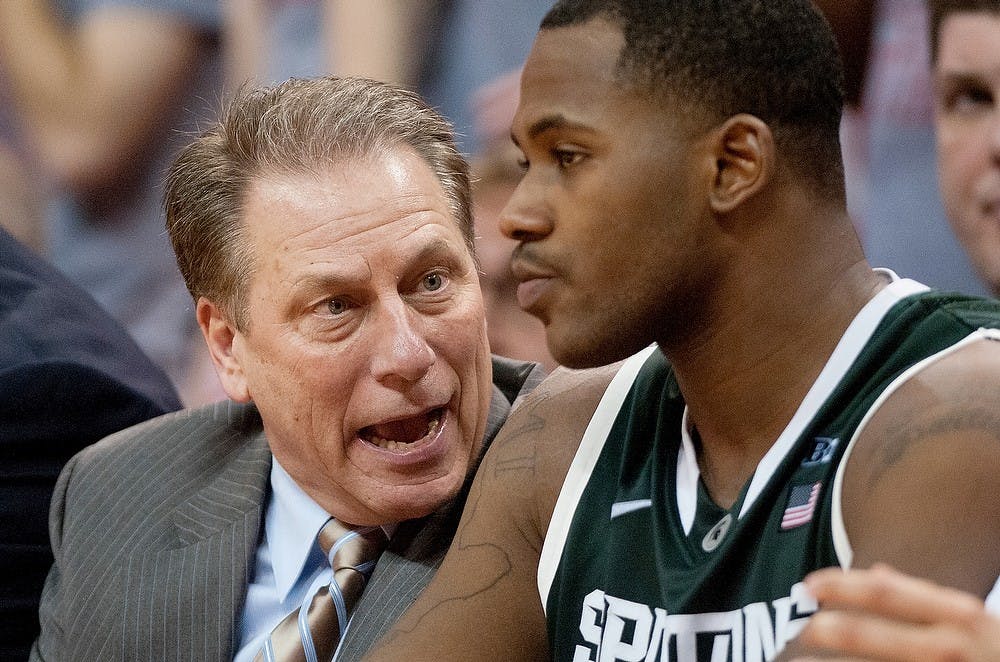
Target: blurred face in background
<point x="967" y="122"/>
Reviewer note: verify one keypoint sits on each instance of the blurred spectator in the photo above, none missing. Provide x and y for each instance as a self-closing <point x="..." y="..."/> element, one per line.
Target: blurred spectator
<point x="445" y="49"/>
<point x="512" y="332"/>
<point x="271" y="40"/>
<point x="472" y="43"/>
<point x="69" y="375"/>
<point x="889" y="142"/>
<point x="104" y="90"/>
<point x="20" y="202"/>
<point x="21" y="209"/>
<point x="966" y="43"/>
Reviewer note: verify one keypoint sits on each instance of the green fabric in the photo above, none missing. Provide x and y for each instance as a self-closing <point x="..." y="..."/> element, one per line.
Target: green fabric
<point x="646" y="591"/>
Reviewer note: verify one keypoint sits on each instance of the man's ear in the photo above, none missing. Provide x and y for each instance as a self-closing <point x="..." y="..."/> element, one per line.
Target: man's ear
<point x="744" y="157"/>
<point x="223" y="341"/>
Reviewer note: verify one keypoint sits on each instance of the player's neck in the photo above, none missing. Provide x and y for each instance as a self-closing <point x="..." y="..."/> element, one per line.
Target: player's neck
<point x="744" y="380"/>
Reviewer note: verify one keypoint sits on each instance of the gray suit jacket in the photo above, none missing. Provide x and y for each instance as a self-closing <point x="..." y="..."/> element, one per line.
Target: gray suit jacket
<point x="154" y="532"/>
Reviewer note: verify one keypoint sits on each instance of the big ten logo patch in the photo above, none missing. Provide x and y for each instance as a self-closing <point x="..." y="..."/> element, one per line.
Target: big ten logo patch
<point x="822" y="451"/>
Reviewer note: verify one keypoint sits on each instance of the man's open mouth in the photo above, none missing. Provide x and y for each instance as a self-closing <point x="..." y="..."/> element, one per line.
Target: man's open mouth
<point x="398" y="434"/>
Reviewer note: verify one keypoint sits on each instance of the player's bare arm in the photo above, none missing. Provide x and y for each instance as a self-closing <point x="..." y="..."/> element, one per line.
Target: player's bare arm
<point x="919" y="490"/>
<point x="483" y="603"/>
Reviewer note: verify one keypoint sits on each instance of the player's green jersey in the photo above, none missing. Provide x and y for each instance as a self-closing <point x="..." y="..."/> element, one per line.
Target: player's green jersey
<point x="640" y="564"/>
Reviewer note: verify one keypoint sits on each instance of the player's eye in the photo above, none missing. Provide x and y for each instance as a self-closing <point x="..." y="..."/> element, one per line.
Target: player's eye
<point x="567" y="157"/>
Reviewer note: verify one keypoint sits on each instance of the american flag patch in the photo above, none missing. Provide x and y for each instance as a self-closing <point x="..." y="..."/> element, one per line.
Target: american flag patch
<point x="802" y="500"/>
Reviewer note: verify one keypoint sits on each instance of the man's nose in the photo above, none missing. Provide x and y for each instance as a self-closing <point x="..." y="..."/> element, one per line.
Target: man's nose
<point x="402" y="352"/>
<point x="526" y="216"/>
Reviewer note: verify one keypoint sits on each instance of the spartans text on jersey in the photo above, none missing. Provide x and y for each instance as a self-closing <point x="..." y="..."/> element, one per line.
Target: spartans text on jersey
<point x="615" y="630"/>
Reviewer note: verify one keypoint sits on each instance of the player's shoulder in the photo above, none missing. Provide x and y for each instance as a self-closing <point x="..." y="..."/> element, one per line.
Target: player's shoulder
<point x="961" y="377"/>
<point x="939" y="420"/>
<point x="558" y="410"/>
<point x="571" y="391"/>
<point x="923" y="467"/>
<point x="543" y="432"/>
<point x="976" y="357"/>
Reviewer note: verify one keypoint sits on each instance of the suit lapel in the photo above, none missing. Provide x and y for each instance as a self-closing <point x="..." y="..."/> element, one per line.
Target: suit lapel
<point x="184" y="595"/>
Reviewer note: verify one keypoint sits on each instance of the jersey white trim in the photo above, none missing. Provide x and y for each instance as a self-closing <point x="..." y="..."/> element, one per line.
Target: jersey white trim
<point x="855" y="339"/>
<point x="583" y="465"/>
<point x="841" y="542"/>
<point x="688" y="473"/>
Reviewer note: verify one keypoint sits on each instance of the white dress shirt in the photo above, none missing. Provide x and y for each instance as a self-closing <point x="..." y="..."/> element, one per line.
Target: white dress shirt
<point x="289" y="566"/>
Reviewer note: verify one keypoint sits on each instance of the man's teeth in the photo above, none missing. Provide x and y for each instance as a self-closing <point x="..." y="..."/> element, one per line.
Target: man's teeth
<point x="392" y="444"/>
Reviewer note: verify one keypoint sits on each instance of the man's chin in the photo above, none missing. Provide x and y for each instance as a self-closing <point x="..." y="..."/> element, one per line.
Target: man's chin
<point x="412" y="501"/>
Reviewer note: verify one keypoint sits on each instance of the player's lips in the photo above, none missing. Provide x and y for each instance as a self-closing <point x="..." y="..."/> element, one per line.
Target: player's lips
<point x="534" y="282"/>
<point x="530" y="291"/>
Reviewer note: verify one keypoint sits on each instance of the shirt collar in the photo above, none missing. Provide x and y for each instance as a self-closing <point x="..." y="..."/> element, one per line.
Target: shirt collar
<point x="291" y="524"/>
<point x="292" y="521"/>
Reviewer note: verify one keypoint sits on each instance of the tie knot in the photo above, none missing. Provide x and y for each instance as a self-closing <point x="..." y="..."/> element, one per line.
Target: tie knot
<point x="351" y="547"/>
<point x="313" y="633"/>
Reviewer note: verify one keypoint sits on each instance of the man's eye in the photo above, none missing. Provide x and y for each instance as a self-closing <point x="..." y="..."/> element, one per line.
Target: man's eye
<point x="977" y="98"/>
<point x="967" y="99"/>
<point x="433" y="282"/>
<point x="567" y="158"/>
<point x="336" y="306"/>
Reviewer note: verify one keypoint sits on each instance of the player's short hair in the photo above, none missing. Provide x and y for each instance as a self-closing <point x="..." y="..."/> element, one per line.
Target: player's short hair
<point x="711" y="59"/>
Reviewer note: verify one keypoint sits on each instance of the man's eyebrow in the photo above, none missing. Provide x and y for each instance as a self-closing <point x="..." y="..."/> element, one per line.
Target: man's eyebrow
<point x="550" y="123"/>
<point x="956" y="77"/>
<point x="437" y="250"/>
<point x="328" y="281"/>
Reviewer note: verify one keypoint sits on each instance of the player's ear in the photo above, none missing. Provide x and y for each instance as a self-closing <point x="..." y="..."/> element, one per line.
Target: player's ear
<point x="223" y="339"/>
<point x="744" y="158"/>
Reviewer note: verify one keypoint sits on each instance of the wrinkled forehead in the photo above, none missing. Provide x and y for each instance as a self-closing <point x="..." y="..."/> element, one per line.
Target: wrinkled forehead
<point x="348" y="200"/>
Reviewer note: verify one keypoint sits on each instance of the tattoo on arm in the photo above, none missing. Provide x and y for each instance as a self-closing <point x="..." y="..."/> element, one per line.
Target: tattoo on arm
<point x="526" y="461"/>
<point x="904" y="435"/>
<point x="491" y="561"/>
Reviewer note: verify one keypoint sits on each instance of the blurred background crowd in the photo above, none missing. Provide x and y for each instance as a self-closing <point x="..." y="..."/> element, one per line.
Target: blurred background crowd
<point x="95" y="96"/>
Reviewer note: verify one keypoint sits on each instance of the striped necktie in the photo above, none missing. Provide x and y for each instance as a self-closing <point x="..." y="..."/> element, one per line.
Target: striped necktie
<point x="312" y="635"/>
